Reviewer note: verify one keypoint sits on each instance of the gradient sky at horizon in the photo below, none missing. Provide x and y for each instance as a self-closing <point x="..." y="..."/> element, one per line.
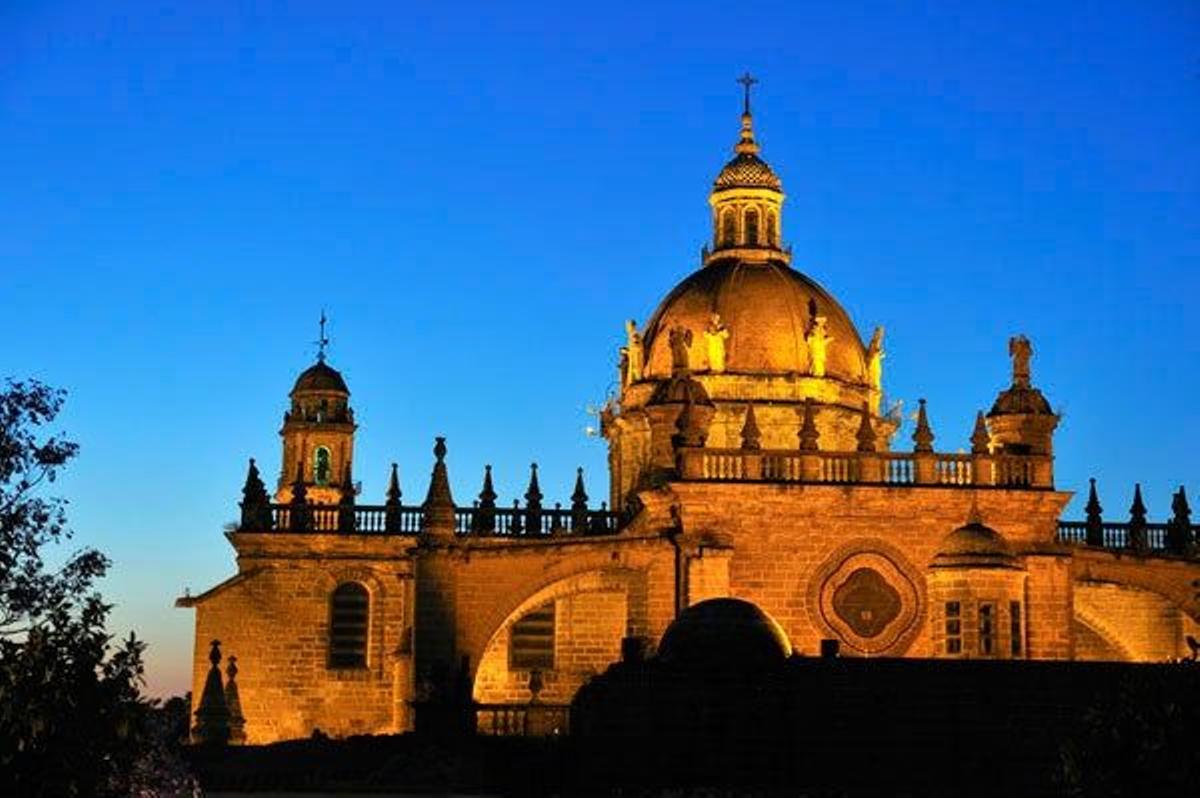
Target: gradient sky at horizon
<point x="479" y="194"/>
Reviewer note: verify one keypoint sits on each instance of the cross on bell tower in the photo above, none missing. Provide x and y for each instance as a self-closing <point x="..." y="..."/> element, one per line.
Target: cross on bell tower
<point x="322" y="340"/>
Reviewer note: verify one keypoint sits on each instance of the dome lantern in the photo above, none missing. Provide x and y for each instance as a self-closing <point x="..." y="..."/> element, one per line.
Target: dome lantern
<point x="747" y="201"/>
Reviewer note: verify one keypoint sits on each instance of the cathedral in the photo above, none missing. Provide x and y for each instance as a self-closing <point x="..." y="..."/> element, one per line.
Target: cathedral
<point x="750" y="457"/>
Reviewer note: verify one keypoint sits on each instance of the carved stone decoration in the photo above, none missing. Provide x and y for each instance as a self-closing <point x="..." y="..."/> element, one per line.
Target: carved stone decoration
<point x="680" y="339"/>
<point x="867" y="595"/>
<point x="1021" y="352"/>
<point x="818" y="340"/>
<point x="875" y="357"/>
<point x="866" y="602"/>
<point x="715" y="336"/>
<point x="634" y="352"/>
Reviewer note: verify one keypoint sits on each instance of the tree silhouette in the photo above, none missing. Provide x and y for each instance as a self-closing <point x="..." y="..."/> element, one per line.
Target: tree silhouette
<point x="72" y="721"/>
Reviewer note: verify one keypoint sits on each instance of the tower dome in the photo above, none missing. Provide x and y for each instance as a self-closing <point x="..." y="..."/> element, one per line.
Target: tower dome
<point x="320" y="378"/>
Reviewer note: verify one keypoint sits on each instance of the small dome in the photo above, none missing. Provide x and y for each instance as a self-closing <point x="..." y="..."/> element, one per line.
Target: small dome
<point x="747" y="170"/>
<point x="724" y="631"/>
<point x="1019" y="400"/>
<point x="320" y="377"/>
<point x="768" y="308"/>
<point x="974" y="545"/>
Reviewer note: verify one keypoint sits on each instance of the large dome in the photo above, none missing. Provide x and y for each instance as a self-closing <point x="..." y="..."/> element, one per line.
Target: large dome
<point x="768" y="308"/>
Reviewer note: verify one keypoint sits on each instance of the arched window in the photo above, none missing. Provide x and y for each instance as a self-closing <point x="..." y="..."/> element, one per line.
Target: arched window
<point x="728" y="228"/>
<point x="751" y="227"/>
<point x="531" y="642"/>
<point x="772" y="230"/>
<point x="322" y="465"/>
<point x="348" y="614"/>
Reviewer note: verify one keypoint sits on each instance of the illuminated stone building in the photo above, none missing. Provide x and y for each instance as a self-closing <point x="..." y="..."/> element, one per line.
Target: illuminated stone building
<point x="751" y="456"/>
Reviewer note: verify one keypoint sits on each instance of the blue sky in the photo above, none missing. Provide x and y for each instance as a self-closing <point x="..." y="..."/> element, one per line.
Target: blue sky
<point x="479" y="194"/>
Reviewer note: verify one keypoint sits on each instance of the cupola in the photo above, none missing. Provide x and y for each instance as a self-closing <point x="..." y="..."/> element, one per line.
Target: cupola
<point x="747" y="201"/>
<point x="318" y="432"/>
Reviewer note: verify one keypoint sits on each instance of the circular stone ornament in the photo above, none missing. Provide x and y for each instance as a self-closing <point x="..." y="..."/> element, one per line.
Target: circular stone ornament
<point x="869" y="597"/>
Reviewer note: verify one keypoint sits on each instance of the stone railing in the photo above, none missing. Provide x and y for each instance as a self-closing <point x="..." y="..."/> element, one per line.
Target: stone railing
<point x="523" y="720"/>
<point x="1134" y="537"/>
<point x="398" y="519"/>
<point x="877" y="468"/>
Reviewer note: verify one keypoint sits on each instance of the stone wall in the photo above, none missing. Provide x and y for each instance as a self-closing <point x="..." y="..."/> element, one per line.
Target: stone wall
<point x="589" y="627"/>
<point x="787" y="540"/>
<point x="471" y="592"/>
<point x="274" y="617"/>
<point x="1142" y="626"/>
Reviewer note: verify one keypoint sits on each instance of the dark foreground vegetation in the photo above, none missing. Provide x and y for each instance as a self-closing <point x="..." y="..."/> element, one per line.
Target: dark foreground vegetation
<point x="851" y="728"/>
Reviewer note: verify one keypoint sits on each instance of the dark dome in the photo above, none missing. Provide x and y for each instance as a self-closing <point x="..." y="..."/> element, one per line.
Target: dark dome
<point x="747" y="170"/>
<point x="1021" y="401"/>
<point x="724" y="631"/>
<point x="320" y="377"/>
<point x="974" y="545"/>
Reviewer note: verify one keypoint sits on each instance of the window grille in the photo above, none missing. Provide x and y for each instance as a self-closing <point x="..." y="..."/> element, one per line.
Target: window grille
<point x="531" y="642"/>
<point x="348" y="626"/>
<point x="953" y="627"/>
<point x="987" y="629"/>
<point x="1014" y="620"/>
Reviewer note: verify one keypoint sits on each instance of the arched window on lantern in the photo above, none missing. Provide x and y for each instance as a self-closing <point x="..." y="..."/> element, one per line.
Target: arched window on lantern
<point x="728" y="228"/>
<point x="751" y="227"/>
<point x="349" y="610"/>
<point x="772" y="230"/>
<point x="322" y="465"/>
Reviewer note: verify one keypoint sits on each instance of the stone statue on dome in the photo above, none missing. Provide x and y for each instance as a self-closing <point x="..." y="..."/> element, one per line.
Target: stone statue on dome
<point x="1021" y="352"/>
<point x="715" y="336"/>
<point x="634" y="354"/>
<point x="818" y="340"/>
<point x="681" y="341"/>
<point x="875" y="356"/>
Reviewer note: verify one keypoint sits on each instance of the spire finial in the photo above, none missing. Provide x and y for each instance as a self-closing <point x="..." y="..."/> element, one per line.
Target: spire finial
<point x="747" y="80"/>
<point x="322" y="340"/>
<point x="746" y="144"/>
<point x="923" y="436"/>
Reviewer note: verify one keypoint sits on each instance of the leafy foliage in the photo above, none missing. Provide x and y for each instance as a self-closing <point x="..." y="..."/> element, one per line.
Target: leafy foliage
<point x="1138" y="741"/>
<point x="72" y="720"/>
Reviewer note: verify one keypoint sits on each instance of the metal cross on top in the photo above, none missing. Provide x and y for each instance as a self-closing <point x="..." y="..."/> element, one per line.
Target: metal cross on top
<point x="747" y="80"/>
<point x="322" y="341"/>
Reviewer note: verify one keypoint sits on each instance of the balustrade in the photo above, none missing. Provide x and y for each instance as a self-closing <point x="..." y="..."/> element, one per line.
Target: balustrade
<point x="899" y="469"/>
<point x="954" y="469"/>
<point x="405" y="520"/>
<point x="1115" y="535"/>
<point x="888" y="468"/>
<point x="522" y="720"/>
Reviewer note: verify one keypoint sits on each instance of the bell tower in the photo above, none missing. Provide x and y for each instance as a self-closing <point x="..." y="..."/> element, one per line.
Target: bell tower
<point x="318" y="433"/>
